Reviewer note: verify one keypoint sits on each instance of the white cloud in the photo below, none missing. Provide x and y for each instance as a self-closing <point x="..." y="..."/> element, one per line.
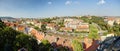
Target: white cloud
<point x="72" y="3"/>
<point x="49" y="3"/>
<point x="101" y="2"/>
<point x="68" y="2"/>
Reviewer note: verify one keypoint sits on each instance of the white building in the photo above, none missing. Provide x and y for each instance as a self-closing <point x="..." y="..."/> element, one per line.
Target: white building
<point x="38" y="25"/>
<point x="117" y="21"/>
<point x="110" y="21"/>
<point x="72" y="23"/>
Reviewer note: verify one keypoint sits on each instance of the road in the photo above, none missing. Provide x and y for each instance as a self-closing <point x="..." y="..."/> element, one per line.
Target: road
<point x="99" y="28"/>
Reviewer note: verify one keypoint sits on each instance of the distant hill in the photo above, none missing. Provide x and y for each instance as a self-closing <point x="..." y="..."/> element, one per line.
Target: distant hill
<point x="8" y="18"/>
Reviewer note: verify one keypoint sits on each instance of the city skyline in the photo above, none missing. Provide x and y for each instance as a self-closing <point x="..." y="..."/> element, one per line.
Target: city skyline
<point x="47" y="8"/>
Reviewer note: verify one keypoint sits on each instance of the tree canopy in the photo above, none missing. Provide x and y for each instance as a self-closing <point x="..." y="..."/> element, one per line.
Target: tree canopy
<point x="77" y="46"/>
<point x="12" y="40"/>
<point x="93" y="32"/>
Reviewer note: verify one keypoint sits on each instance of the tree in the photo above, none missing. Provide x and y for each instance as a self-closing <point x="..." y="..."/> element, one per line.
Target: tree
<point x="37" y="28"/>
<point x="48" y="20"/>
<point x="116" y="29"/>
<point x="30" y="24"/>
<point x="77" y="46"/>
<point x="45" y="46"/>
<point x="85" y="18"/>
<point x="7" y="37"/>
<point x="93" y="32"/>
<point x="62" y="48"/>
<point x="43" y="27"/>
<point x="61" y="23"/>
<point x="11" y="40"/>
<point x="28" y="42"/>
<point x="99" y="21"/>
<point x="1" y="24"/>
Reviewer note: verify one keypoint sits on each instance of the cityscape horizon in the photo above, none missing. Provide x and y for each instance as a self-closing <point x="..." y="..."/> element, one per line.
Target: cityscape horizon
<point x="59" y="25"/>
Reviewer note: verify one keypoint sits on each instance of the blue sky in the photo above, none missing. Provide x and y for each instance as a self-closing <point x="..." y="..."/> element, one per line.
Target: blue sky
<point x="47" y="8"/>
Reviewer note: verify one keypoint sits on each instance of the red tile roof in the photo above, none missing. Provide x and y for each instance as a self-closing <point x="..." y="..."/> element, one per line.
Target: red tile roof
<point x="83" y="27"/>
<point x="37" y="34"/>
<point x="110" y="19"/>
<point x="21" y="28"/>
<point x="66" y="28"/>
<point x="90" y="45"/>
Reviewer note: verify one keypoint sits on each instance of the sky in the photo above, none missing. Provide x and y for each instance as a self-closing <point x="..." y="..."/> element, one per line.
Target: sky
<point x="48" y="8"/>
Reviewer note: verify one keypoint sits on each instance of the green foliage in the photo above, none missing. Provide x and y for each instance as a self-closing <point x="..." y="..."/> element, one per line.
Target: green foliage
<point x="76" y="31"/>
<point x="93" y="32"/>
<point x="10" y="37"/>
<point x="12" y="40"/>
<point x="37" y="28"/>
<point x="1" y="25"/>
<point x="77" y="46"/>
<point x="104" y="26"/>
<point x="0" y="20"/>
<point x="62" y="48"/>
<point x="45" y="42"/>
<point x="105" y="33"/>
<point x="85" y="18"/>
<point x="43" y="27"/>
<point x="48" y="20"/>
<point x="25" y="41"/>
<point x="100" y="22"/>
<point x="30" y="24"/>
<point x="61" y="23"/>
<point x="45" y="46"/>
<point x="97" y="20"/>
<point x="116" y="29"/>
